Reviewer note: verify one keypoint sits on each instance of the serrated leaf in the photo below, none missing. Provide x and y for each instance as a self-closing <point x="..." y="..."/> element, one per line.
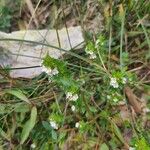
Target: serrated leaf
<point x="46" y="125"/>
<point x="62" y="135"/>
<point x="29" y="125"/>
<point x="54" y="135"/>
<point x="104" y="147"/>
<point x="19" y="94"/>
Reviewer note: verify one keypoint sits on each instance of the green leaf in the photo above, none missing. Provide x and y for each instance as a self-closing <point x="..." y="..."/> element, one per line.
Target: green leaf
<point x="29" y="125"/>
<point x="19" y="94"/>
<point x="22" y="108"/>
<point x="142" y="144"/>
<point x="104" y="147"/>
<point x="117" y="132"/>
<point x="46" y="125"/>
<point x="54" y="135"/>
<point x="62" y="136"/>
<point x="2" y="109"/>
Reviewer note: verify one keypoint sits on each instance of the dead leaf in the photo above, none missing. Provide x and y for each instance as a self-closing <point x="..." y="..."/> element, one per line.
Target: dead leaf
<point x="124" y="112"/>
<point x="133" y="100"/>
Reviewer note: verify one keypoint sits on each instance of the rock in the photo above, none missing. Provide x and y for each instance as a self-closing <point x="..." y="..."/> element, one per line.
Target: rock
<point x="24" y="54"/>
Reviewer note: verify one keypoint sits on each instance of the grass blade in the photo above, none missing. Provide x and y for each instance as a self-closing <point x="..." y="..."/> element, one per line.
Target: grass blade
<point x="29" y="125"/>
<point x="19" y="94"/>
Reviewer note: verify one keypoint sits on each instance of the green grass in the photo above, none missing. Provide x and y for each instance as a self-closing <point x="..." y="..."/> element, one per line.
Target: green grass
<point x="39" y="112"/>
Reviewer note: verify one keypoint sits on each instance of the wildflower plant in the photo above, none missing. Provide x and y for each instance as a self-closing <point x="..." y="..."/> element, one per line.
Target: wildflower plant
<point x="57" y="72"/>
<point x="82" y="99"/>
<point x="90" y="50"/>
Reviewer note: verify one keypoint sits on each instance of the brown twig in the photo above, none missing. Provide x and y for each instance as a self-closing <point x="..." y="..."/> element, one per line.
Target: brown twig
<point x="32" y="11"/>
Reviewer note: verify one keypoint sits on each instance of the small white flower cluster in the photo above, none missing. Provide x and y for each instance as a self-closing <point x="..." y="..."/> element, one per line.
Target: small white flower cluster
<point x="72" y="97"/>
<point x="77" y="125"/>
<point x="92" y="56"/>
<point x="73" y="108"/>
<point x="91" y="53"/>
<point x="115" y="97"/>
<point x="49" y="71"/>
<point x="53" y="124"/>
<point x="114" y="83"/>
<point x="124" y="80"/>
<point x="33" y="146"/>
<point x="97" y="43"/>
<point x="111" y="97"/>
<point x="108" y="97"/>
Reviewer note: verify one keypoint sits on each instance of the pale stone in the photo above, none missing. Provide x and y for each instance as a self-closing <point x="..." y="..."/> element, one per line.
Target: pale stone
<point x="10" y="49"/>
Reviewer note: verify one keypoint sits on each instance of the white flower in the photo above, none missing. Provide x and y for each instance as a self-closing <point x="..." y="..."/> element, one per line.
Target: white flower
<point x="97" y="43"/>
<point x="90" y="52"/>
<point x="33" y="146"/>
<point x="55" y="71"/>
<point x="71" y="96"/>
<point x="50" y="71"/>
<point x="108" y="97"/>
<point x="73" y="108"/>
<point x="68" y="95"/>
<point x="83" y="81"/>
<point x="124" y="80"/>
<point x="74" y="97"/>
<point x="93" y="56"/>
<point x="77" y="125"/>
<point x="114" y="83"/>
<point x="44" y="69"/>
<point x="53" y="124"/>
